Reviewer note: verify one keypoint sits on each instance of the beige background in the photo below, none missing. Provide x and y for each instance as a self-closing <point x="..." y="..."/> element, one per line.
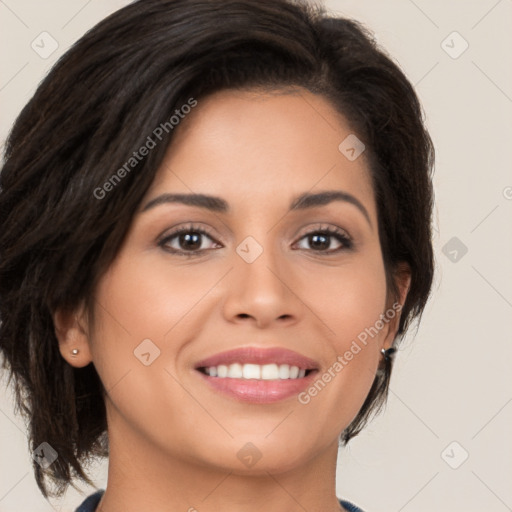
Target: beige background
<point x="453" y="380"/>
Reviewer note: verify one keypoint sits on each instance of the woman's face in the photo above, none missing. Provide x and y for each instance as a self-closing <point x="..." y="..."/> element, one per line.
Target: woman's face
<point x="263" y="279"/>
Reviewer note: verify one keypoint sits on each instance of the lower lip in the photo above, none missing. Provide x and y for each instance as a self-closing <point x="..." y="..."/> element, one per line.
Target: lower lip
<point x="259" y="391"/>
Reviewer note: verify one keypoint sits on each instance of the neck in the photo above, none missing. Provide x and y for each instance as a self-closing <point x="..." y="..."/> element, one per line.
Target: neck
<point x="143" y="477"/>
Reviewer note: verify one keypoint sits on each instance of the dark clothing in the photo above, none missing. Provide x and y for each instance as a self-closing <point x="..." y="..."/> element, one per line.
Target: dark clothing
<point x="91" y="502"/>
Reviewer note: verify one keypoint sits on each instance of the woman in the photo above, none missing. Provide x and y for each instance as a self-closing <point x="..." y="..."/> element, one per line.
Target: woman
<point x="215" y="231"/>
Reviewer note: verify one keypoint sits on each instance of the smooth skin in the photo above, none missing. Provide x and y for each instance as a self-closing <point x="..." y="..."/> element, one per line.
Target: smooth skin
<point x="173" y="440"/>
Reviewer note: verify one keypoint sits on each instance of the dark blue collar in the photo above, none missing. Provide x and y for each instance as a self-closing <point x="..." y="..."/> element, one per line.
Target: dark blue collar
<point x="92" y="501"/>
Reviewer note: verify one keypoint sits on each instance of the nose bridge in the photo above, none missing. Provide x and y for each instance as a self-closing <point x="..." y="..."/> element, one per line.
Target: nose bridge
<point x="259" y="285"/>
<point x="257" y="265"/>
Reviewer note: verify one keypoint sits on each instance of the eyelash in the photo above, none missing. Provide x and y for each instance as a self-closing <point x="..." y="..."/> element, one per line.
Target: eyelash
<point x="346" y="241"/>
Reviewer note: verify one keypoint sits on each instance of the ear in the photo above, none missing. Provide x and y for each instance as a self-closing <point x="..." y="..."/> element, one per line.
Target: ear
<point x="402" y="276"/>
<point x="72" y="334"/>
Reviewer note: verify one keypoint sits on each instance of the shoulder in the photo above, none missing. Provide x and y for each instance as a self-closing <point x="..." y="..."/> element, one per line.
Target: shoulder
<point x="350" y="507"/>
<point x="91" y="502"/>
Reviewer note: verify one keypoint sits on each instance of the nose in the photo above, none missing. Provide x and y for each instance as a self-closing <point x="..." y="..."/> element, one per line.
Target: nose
<point x="262" y="292"/>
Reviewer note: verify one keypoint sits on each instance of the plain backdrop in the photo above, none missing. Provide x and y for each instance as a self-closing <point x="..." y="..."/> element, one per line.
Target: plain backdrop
<point x="444" y="441"/>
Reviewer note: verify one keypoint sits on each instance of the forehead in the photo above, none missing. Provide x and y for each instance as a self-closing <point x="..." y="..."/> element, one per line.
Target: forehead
<point x="250" y="145"/>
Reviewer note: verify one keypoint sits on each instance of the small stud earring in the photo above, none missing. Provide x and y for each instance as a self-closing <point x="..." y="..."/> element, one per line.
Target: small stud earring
<point x="74" y="351"/>
<point x="388" y="353"/>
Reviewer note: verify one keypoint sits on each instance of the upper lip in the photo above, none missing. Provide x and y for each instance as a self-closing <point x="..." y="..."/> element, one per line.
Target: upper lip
<point x="258" y="355"/>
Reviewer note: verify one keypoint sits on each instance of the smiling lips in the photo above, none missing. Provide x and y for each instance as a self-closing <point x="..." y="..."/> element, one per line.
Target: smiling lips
<point x="256" y="375"/>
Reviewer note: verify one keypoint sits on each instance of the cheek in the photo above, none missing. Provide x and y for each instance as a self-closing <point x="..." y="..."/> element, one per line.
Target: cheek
<point x="145" y="298"/>
<point x="350" y="302"/>
<point x="141" y="299"/>
<point x="348" y="299"/>
<point x="136" y="311"/>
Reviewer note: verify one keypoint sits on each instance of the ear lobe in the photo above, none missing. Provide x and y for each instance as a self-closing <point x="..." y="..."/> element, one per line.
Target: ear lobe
<point x="73" y="338"/>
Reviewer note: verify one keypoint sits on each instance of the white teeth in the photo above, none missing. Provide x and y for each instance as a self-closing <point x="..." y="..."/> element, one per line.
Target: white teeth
<point x="256" y="371"/>
<point x="270" y="372"/>
<point x="235" y="371"/>
<point x="251" y="371"/>
<point x="284" y="371"/>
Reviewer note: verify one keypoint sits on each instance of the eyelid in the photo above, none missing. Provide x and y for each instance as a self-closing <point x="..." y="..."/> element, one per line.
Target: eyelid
<point x="321" y="227"/>
<point x="187" y="226"/>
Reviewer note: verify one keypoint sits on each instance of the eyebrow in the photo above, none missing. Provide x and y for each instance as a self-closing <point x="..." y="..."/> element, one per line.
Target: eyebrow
<point x="217" y="204"/>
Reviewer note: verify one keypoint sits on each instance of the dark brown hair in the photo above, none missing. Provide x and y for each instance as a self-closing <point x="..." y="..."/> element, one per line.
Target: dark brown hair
<point x="101" y="101"/>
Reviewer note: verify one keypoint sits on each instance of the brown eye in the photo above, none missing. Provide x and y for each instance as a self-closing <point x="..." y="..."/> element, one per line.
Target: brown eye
<point x="322" y="240"/>
<point x="187" y="241"/>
